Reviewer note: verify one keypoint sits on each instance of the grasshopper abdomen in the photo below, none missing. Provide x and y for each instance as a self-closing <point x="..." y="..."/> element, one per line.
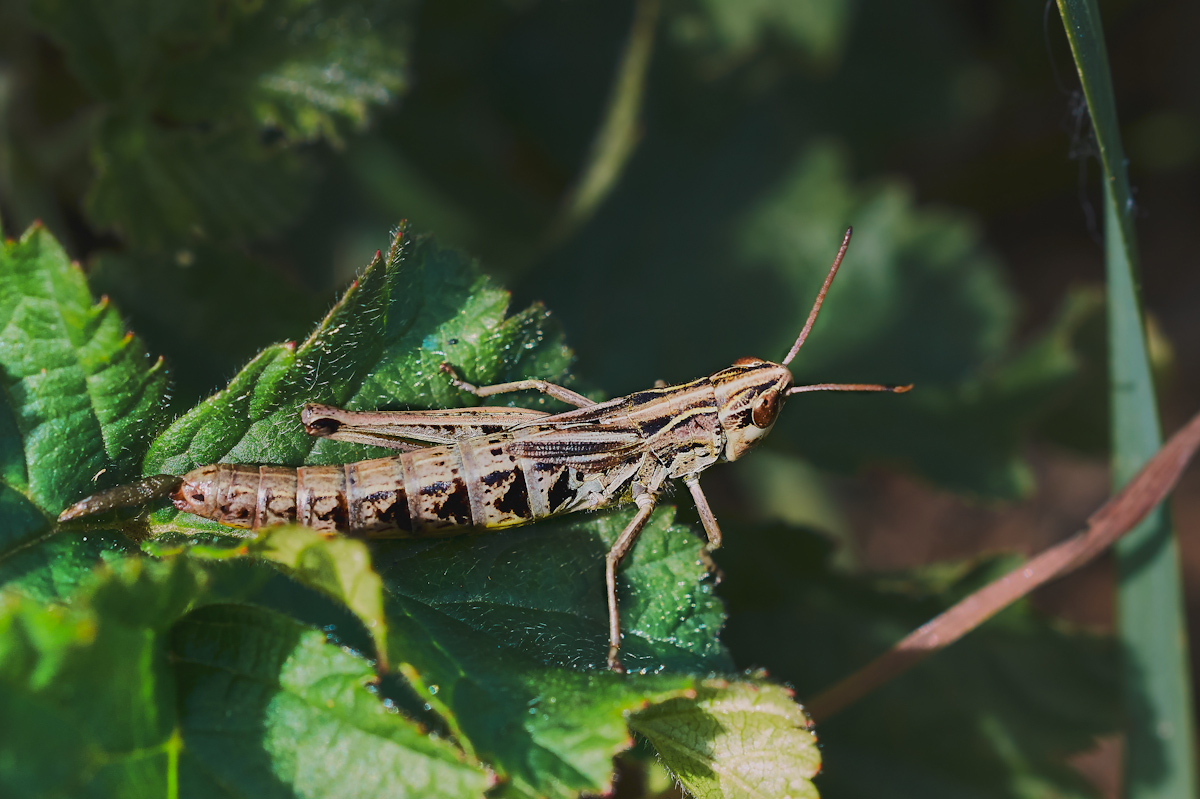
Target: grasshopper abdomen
<point x="479" y="482"/>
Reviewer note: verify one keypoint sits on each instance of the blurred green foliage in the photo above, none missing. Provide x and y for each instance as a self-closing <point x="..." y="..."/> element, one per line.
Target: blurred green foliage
<point x="222" y="168"/>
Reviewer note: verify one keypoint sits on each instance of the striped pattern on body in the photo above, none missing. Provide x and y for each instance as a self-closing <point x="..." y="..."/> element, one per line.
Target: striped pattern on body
<point x="430" y="491"/>
<point x="542" y="467"/>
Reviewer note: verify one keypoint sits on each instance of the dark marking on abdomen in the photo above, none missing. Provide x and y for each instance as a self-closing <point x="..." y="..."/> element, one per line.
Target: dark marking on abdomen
<point x="379" y="502"/>
<point x="441" y="500"/>
<point x="456" y="507"/>
<point x="515" y="500"/>
<point x="560" y="493"/>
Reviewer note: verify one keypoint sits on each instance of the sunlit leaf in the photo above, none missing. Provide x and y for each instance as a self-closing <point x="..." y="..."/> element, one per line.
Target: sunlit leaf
<point x="138" y="686"/>
<point x="81" y="400"/>
<point x="732" y="741"/>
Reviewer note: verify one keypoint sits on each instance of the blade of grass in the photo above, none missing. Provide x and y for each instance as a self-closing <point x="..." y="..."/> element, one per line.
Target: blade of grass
<point x="619" y="130"/>
<point x="1160" y="736"/>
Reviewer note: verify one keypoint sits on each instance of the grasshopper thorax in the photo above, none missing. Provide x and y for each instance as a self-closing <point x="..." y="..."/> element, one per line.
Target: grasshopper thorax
<point x="749" y="395"/>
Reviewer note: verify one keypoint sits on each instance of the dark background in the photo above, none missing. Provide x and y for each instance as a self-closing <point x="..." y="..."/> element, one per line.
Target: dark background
<point x="220" y="217"/>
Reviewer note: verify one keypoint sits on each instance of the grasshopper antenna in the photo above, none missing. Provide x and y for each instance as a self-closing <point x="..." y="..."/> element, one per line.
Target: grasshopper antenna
<point x="812" y="315"/>
<point x="126" y="496"/>
<point x="812" y="318"/>
<point x="848" y="387"/>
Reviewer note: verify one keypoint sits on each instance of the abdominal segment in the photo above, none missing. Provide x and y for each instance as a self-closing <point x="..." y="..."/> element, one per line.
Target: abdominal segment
<point x="432" y="491"/>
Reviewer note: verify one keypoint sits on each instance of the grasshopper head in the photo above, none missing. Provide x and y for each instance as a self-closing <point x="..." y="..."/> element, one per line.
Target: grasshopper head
<point x="749" y="396"/>
<point x="751" y="392"/>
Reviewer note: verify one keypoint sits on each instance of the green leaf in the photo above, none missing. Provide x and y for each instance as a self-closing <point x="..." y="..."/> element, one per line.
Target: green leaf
<point x="157" y="186"/>
<point x="479" y="625"/>
<point x="340" y="568"/>
<point x="912" y="276"/>
<point x="508" y="653"/>
<point x="1152" y="621"/>
<point x="726" y="32"/>
<point x="184" y="90"/>
<point x="996" y="715"/>
<point x="298" y="64"/>
<point x="181" y="307"/>
<point x="735" y="740"/>
<point x="506" y="635"/>
<point x="135" y="688"/>
<point x="81" y="400"/>
<point x="381" y="346"/>
<point x="271" y="707"/>
<point x="338" y="63"/>
<point x="93" y="674"/>
<point x="499" y="586"/>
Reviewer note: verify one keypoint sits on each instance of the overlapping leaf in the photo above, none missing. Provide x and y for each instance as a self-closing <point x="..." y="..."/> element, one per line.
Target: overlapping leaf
<point x="509" y="632"/>
<point x="186" y="88"/>
<point x="81" y="399"/>
<point x="381" y="346"/>
<point x="491" y="627"/>
<point x="340" y="568"/>
<point x="247" y="702"/>
<point x="488" y="629"/>
<point x="747" y="739"/>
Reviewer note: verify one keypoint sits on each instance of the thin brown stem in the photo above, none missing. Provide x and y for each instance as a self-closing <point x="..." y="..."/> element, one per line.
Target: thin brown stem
<point x="1115" y="518"/>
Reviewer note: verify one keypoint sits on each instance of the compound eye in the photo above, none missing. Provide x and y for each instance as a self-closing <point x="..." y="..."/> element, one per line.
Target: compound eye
<point x="765" y="409"/>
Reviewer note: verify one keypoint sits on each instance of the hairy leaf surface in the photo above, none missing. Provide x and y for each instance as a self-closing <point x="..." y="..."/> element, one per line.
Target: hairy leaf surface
<point x="81" y="399"/>
<point x="502" y="636"/>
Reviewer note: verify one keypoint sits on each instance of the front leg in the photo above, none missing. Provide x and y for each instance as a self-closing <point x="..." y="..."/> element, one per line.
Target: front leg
<point x="645" y="504"/>
<point x="710" y="525"/>
<point x="558" y="392"/>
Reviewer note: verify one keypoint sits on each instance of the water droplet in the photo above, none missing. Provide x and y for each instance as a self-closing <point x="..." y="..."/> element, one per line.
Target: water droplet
<point x="433" y="689"/>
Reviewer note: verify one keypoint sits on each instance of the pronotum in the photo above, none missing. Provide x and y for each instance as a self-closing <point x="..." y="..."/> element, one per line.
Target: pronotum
<point x="498" y="467"/>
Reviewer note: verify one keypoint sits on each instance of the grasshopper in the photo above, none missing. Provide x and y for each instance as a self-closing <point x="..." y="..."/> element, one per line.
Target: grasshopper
<point x="498" y="467"/>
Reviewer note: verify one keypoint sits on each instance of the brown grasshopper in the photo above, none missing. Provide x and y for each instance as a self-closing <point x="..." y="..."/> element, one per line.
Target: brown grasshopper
<point x="500" y="467"/>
